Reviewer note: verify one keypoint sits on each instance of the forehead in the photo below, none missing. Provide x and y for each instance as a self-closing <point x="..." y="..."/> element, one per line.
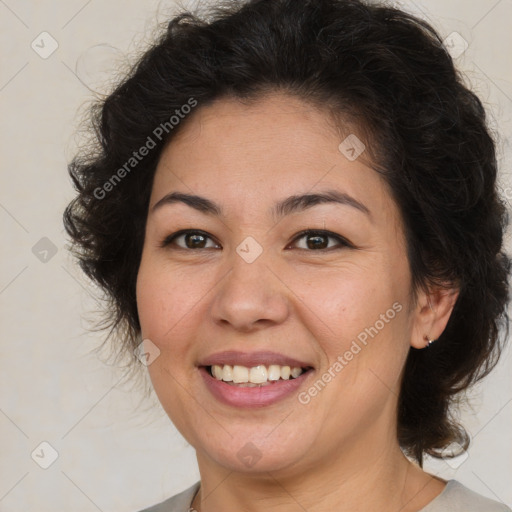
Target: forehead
<point x="249" y="154"/>
<point x="279" y="123"/>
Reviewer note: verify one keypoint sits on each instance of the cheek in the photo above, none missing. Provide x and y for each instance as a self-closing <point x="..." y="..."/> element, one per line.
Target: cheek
<point x="361" y="325"/>
<point x="152" y="304"/>
<point x="165" y="298"/>
<point x="166" y="303"/>
<point x="360" y="319"/>
<point x="347" y="301"/>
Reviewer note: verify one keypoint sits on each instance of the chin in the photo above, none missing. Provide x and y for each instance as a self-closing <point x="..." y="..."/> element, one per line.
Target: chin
<point x="254" y="452"/>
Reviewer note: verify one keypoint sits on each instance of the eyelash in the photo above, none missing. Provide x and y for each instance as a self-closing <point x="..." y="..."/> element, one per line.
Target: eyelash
<point x="343" y="243"/>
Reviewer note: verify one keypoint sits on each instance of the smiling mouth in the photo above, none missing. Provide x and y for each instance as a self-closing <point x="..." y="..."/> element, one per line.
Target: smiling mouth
<point x="255" y="376"/>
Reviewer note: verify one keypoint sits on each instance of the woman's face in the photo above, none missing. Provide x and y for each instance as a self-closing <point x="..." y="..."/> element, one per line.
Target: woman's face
<point x="248" y="284"/>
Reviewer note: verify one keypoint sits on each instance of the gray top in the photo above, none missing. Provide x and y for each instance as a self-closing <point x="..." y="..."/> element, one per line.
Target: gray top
<point x="454" y="498"/>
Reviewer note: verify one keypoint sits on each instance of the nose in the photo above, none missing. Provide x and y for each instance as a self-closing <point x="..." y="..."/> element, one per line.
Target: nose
<point x="251" y="296"/>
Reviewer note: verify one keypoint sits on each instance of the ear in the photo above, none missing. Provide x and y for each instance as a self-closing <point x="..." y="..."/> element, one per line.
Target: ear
<point x="432" y="312"/>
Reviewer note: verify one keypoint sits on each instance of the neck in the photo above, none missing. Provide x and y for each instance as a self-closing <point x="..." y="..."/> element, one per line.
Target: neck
<point x="360" y="478"/>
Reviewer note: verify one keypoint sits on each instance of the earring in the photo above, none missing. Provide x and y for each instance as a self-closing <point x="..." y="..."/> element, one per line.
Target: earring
<point x="428" y="340"/>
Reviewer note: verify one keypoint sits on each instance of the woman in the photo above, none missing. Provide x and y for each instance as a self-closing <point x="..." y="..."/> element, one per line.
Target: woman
<point x="294" y="205"/>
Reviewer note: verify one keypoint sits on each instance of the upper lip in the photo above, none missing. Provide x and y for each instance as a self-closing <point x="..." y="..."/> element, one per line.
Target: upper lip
<point x="250" y="359"/>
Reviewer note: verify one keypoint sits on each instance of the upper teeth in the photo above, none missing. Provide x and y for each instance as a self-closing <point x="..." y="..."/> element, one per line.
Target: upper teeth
<point x="256" y="374"/>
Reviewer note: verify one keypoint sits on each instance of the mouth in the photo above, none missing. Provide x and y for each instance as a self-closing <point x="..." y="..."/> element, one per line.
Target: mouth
<point x="255" y="376"/>
<point x="253" y="379"/>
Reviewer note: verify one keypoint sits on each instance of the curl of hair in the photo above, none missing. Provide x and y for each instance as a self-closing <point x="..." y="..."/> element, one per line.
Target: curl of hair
<point x="388" y="74"/>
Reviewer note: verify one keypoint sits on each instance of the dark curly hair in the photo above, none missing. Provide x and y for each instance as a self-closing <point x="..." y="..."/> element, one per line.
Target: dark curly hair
<point x="381" y="69"/>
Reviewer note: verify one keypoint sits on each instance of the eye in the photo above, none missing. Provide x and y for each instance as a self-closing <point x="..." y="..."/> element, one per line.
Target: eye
<point x="319" y="240"/>
<point x="316" y="240"/>
<point x="192" y="239"/>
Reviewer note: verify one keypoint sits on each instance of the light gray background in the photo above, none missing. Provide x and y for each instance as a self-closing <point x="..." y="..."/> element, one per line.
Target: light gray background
<point x="116" y="449"/>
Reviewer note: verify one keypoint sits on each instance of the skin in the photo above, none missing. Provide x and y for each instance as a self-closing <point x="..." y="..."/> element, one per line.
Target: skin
<point x="339" y="451"/>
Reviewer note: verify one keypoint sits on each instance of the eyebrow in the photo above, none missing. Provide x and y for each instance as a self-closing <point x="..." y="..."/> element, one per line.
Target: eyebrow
<point x="292" y="204"/>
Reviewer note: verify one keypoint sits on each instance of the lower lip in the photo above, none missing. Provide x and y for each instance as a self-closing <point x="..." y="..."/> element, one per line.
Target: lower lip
<point x="259" y="396"/>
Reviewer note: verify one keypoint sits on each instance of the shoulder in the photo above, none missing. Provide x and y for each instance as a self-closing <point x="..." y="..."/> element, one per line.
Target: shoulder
<point x="178" y="503"/>
<point x="458" y="498"/>
<point x="454" y="498"/>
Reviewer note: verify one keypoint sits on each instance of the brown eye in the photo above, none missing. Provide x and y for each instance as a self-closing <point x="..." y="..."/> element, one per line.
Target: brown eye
<point x="195" y="241"/>
<point x="189" y="239"/>
<point x="315" y="240"/>
<point x="319" y="240"/>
